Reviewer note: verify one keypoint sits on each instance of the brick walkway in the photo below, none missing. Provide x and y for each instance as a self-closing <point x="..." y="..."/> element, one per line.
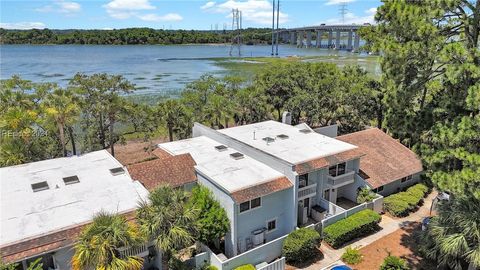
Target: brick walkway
<point x="388" y="224"/>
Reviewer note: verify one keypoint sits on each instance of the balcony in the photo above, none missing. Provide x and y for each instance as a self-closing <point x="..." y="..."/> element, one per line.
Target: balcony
<point x="308" y="191"/>
<point x="341" y="180"/>
<point x="140" y="251"/>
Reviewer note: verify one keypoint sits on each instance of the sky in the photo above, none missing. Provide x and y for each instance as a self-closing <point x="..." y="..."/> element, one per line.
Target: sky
<point x="179" y="14"/>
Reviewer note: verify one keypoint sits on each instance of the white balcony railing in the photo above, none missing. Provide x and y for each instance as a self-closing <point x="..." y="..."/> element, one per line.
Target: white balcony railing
<point x="308" y="191"/>
<point x="341" y="180"/>
<point x="140" y="251"/>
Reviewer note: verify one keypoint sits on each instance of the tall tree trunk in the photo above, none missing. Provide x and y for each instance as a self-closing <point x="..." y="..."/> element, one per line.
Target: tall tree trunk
<point x="279" y="114"/>
<point x="61" y="132"/>
<point x="226" y="122"/>
<point x="170" y="132"/>
<point x="111" y="135"/>
<point x="72" y="140"/>
<point x="102" y="131"/>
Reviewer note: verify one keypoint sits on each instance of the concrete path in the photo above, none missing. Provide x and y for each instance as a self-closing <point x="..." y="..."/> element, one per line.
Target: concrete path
<point x="388" y="224"/>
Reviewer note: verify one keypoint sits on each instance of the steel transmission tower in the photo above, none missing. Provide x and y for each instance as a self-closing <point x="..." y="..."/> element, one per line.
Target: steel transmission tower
<point x="343" y="11"/>
<point x="236" y="31"/>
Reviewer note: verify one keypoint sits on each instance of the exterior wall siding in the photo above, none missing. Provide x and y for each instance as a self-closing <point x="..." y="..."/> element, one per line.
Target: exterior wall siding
<point x="273" y="206"/>
<point x="397" y="186"/>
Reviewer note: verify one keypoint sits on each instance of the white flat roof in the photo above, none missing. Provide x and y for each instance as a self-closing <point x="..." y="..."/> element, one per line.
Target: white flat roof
<point x="231" y="174"/>
<point x="297" y="148"/>
<point x="27" y="214"/>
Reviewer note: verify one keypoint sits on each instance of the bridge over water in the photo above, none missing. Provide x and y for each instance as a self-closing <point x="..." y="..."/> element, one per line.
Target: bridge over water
<point x="303" y="36"/>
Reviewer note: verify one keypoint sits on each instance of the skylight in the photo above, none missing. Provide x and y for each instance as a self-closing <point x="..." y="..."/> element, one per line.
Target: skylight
<point x="236" y="155"/>
<point x="305" y="130"/>
<point x="268" y="139"/>
<point x="71" y="180"/>
<point x="221" y="148"/>
<point x="282" y="136"/>
<point x="40" y="186"/>
<point x="117" y="171"/>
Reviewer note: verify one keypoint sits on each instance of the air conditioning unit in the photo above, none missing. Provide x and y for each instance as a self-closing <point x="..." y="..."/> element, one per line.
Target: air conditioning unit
<point x="258" y="237"/>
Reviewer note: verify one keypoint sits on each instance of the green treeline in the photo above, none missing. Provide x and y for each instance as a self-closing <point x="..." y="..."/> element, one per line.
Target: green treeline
<point x="42" y="120"/>
<point x="132" y="36"/>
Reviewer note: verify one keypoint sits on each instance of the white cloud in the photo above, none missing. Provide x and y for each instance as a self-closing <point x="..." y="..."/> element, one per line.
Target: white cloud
<point x="337" y="2"/>
<point x="208" y="5"/>
<point x="351" y="18"/>
<point x="23" y="25"/>
<point x="124" y="9"/>
<point x="170" y="17"/>
<point x="257" y="11"/>
<point x="61" y="6"/>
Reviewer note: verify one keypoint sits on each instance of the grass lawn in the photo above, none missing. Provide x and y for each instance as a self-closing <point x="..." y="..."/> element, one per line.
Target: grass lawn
<point x="401" y="243"/>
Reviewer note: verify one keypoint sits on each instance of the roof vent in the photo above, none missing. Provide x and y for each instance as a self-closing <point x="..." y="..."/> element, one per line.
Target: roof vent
<point x="40" y="186"/>
<point x="282" y="136"/>
<point x="305" y="130"/>
<point x="71" y="180"/>
<point x="117" y="171"/>
<point x="236" y="155"/>
<point x="268" y="139"/>
<point x="221" y="148"/>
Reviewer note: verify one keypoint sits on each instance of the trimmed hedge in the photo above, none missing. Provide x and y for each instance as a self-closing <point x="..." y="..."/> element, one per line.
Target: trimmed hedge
<point x="245" y="267"/>
<point x="401" y="204"/>
<point x="356" y="225"/>
<point x="301" y="245"/>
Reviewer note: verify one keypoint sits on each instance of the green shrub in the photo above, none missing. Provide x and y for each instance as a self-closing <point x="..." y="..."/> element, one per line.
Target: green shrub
<point x="365" y="195"/>
<point x="394" y="263"/>
<point x="209" y="267"/>
<point x="245" y="267"/>
<point x="356" y="225"/>
<point x="401" y="204"/>
<point x="301" y="245"/>
<point x="352" y="256"/>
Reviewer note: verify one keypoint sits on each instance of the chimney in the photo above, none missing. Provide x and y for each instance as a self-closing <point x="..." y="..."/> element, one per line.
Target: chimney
<point x="287" y="118"/>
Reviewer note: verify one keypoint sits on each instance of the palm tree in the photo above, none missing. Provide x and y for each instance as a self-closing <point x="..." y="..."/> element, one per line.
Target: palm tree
<point x="167" y="220"/>
<point x="98" y="244"/>
<point x="61" y="106"/>
<point x="171" y="112"/>
<point x="453" y="237"/>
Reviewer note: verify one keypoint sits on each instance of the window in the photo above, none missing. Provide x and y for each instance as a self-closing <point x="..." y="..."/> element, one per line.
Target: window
<point x="71" y="180"/>
<point x="403" y="180"/>
<point x="303" y="180"/>
<point x="332" y="171"/>
<point x="271" y="225"/>
<point x="40" y="186"/>
<point x="337" y="170"/>
<point x="255" y="203"/>
<point x="409" y="178"/>
<point x="379" y="189"/>
<point x="245" y="206"/>
<point x="341" y="168"/>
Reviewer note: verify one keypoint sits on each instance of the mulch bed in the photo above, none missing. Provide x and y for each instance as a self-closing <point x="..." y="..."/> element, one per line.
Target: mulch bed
<point x="401" y="243"/>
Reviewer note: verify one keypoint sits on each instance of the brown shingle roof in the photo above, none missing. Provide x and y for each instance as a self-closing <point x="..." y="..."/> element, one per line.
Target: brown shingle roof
<point x="386" y="159"/>
<point x="263" y="189"/>
<point x="172" y="170"/>
<point x="47" y="243"/>
<point x="160" y="153"/>
<point x="316" y="164"/>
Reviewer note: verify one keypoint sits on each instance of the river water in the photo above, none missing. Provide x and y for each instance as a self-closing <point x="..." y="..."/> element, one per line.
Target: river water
<point x="153" y="69"/>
